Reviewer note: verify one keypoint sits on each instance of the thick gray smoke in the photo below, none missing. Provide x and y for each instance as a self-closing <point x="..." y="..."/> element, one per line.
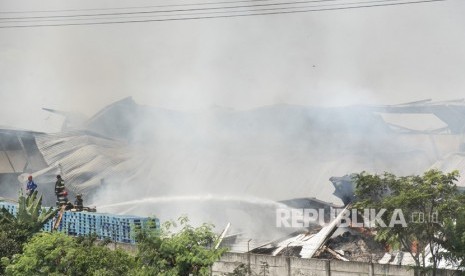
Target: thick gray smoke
<point x="331" y="58"/>
<point x="209" y="163"/>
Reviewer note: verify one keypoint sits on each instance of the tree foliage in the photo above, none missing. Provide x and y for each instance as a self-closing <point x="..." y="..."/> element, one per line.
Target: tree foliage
<point x="428" y="203"/>
<point x="58" y="254"/>
<point x="15" y="231"/>
<point x="454" y="241"/>
<point x="167" y="251"/>
<point x="187" y="251"/>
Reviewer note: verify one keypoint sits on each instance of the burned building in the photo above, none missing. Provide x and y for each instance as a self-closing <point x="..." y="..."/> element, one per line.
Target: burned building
<point x="129" y="155"/>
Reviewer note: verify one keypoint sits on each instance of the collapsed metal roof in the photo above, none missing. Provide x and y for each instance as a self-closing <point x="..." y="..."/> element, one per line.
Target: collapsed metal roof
<point x="278" y="146"/>
<point x="83" y="159"/>
<point x="294" y="149"/>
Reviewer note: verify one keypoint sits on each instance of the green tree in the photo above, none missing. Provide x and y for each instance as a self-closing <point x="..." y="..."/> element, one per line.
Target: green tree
<point x="15" y="231"/>
<point x="454" y="239"/>
<point x="428" y="203"/>
<point x="187" y="251"/>
<point x="58" y="254"/>
<point x="11" y="242"/>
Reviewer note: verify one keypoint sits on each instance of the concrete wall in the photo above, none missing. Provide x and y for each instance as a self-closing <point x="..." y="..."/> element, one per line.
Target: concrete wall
<point x="290" y="266"/>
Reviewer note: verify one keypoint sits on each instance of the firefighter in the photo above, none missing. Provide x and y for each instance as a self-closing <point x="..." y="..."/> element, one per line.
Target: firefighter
<point x="60" y="192"/>
<point x="30" y="186"/>
<point x="59" y="185"/>
<point x="78" y="204"/>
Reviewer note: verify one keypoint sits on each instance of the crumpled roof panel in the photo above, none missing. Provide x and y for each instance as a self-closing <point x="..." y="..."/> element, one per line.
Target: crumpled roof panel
<point x="82" y="159"/>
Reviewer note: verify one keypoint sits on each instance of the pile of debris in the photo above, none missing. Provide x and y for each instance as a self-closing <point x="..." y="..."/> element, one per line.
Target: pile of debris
<point x="353" y="245"/>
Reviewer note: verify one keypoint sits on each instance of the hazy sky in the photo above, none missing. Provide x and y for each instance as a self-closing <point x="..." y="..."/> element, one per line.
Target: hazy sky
<point x="373" y="55"/>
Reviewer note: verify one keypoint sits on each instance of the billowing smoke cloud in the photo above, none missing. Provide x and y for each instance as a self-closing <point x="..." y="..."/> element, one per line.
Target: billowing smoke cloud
<point x="209" y="163"/>
<point x="332" y="58"/>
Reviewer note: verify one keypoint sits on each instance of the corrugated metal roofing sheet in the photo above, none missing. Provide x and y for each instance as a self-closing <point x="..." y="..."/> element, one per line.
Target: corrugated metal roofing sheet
<point x="82" y="159"/>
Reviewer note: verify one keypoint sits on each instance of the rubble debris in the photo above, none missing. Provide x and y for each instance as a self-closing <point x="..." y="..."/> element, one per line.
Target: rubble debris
<point x="356" y="246"/>
<point x="305" y="244"/>
<point x="294" y="244"/>
<point x="337" y="255"/>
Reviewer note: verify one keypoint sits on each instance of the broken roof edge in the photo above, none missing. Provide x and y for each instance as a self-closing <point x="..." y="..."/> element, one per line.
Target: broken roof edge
<point x="124" y="101"/>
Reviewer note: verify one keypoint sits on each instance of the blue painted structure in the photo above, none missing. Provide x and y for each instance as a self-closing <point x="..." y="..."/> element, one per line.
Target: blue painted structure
<point x="118" y="228"/>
